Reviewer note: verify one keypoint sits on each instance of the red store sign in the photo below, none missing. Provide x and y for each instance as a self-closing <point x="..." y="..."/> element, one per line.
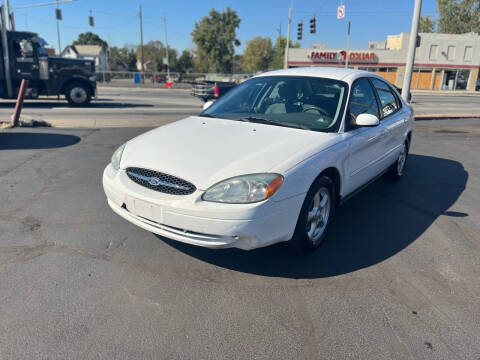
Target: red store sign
<point x="338" y="56"/>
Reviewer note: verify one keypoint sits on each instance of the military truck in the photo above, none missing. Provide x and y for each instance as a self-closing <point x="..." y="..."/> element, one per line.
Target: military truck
<point x="24" y="57"/>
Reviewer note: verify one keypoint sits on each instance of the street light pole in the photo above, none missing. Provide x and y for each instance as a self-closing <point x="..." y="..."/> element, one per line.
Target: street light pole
<point x="142" y="62"/>
<point x="166" y="43"/>
<point x="285" y="63"/>
<point x="412" y="43"/>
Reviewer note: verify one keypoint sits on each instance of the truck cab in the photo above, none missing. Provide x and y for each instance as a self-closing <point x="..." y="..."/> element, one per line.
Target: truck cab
<point x="28" y="59"/>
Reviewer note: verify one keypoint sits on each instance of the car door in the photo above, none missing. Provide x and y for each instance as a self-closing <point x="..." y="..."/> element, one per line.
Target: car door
<point x="365" y="143"/>
<point x="393" y="120"/>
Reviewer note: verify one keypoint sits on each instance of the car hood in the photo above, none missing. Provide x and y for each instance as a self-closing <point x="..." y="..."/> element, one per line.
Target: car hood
<point x="205" y="151"/>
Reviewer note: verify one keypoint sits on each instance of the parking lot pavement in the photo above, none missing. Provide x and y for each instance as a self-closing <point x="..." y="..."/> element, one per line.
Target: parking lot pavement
<point x="398" y="277"/>
<point x="446" y="104"/>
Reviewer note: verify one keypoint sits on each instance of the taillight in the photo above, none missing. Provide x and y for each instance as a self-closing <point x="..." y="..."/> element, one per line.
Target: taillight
<point x="216" y="91"/>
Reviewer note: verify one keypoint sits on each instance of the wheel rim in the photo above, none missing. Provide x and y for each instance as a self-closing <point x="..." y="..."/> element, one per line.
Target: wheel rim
<point x="401" y="160"/>
<point x="78" y="95"/>
<point x="318" y="214"/>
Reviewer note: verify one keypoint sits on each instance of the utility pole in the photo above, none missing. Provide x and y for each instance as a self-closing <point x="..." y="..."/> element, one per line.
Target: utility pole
<point x="280" y="31"/>
<point x="6" y="57"/>
<point x="166" y="43"/>
<point x="7" y="10"/>
<point x="348" y="46"/>
<point x="412" y="43"/>
<point x="142" y="62"/>
<point x="285" y="63"/>
<point x="58" y="36"/>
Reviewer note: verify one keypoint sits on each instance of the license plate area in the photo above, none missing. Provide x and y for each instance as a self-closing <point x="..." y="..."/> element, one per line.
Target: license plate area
<point x="145" y="210"/>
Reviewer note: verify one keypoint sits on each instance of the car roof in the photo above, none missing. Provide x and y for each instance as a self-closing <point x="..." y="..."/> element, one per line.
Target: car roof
<point x="336" y="73"/>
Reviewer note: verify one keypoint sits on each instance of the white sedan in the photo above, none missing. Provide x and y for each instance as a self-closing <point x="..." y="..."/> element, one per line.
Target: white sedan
<point x="268" y="162"/>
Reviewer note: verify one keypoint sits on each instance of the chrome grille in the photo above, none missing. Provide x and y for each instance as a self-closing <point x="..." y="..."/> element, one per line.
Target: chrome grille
<point x="161" y="182"/>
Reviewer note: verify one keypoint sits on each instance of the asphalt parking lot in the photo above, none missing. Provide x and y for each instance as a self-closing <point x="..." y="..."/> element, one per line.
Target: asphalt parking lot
<point x="398" y="278"/>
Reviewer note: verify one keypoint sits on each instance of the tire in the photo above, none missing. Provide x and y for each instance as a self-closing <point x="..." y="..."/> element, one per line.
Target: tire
<point x="78" y="94"/>
<point x="397" y="169"/>
<point x="311" y="229"/>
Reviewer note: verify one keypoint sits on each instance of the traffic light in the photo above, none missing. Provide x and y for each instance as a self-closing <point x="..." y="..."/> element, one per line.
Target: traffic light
<point x="313" y="26"/>
<point x="58" y="14"/>
<point x="91" y="21"/>
<point x="300" y="31"/>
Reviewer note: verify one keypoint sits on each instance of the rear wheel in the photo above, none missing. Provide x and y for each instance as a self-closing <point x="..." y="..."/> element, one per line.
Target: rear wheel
<point x="397" y="170"/>
<point x="315" y="215"/>
<point x="78" y="94"/>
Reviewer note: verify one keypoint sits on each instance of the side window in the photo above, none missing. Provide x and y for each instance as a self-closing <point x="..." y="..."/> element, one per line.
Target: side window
<point x="362" y="100"/>
<point x="388" y="100"/>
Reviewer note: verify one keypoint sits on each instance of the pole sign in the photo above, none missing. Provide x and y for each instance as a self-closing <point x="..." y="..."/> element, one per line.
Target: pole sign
<point x="341" y="12"/>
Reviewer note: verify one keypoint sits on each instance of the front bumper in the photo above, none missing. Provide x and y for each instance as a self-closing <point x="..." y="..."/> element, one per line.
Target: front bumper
<point x="189" y="219"/>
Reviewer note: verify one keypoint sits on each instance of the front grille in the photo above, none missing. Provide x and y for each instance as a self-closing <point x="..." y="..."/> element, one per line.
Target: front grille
<point x="160" y="182"/>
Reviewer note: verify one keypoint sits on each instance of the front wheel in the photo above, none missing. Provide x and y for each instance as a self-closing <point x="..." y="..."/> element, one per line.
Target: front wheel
<point x="78" y="94"/>
<point x="315" y="215"/>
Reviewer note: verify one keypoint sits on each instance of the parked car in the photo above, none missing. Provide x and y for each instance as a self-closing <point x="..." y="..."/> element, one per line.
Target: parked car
<point x="211" y="90"/>
<point x="270" y="161"/>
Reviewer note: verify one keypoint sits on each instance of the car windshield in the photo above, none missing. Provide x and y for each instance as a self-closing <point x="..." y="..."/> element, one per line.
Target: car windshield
<point x="295" y="101"/>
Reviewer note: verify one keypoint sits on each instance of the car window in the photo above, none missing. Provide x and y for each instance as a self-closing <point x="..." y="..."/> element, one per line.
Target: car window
<point x="388" y="100"/>
<point x="312" y="103"/>
<point x="362" y="100"/>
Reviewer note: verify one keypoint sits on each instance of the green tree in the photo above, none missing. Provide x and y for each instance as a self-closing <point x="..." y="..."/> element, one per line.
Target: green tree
<point x="427" y="24"/>
<point x="89" y="38"/>
<point x="185" y="62"/>
<point x="126" y="55"/>
<point x="215" y="38"/>
<point x="258" y="54"/>
<point x="458" y="16"/>
<point x="279" y="52"/>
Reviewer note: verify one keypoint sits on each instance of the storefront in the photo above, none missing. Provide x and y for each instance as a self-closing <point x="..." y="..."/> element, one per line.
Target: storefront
<point x="442" y="61"/>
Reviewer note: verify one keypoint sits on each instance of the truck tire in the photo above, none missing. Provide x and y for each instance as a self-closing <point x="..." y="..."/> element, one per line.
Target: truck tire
<point x="78" y="94"/>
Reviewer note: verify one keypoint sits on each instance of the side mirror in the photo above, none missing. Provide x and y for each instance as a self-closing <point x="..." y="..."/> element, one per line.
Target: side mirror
<point x="366" y="120"/>
<point x="208" y="104"/>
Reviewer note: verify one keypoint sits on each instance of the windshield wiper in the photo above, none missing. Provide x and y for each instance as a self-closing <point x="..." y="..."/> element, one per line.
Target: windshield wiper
<point x="274" y="122"/>
<point x="209" y="116"/>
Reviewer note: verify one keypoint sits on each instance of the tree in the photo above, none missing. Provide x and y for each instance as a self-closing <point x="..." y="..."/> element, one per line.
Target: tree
<point x="458" y="16"/>
<point x="427" y="24"/>
<point x="126" y="55"/>
<point x="258" y="55"/>
<point x="279" y="52"/>
<point x="215" y="38"/>
<point x="90" y="38"/>
<point x="185" y="62"/>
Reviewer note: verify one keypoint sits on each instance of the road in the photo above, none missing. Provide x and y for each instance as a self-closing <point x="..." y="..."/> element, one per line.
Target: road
<point x="398" y="277"/>
<point x="126" y="107"/>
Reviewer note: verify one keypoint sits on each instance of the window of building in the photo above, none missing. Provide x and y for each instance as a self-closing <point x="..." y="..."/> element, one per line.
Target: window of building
<point x="433" y="52"/>
<point x="467" y="55"/>
<point x="451" y="52"/>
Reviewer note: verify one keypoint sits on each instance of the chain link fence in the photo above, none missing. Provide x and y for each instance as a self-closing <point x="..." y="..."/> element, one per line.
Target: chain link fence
<point x="159" y="79"/>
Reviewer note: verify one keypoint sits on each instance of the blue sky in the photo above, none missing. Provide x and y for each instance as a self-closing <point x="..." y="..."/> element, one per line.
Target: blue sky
<point x="117" y="23"/>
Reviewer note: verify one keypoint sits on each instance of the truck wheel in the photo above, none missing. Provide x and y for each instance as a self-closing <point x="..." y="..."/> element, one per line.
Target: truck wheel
<point x="78" y="94"/>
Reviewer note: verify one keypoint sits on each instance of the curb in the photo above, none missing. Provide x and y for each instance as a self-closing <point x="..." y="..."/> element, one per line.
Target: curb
<point x="446" y="116"/>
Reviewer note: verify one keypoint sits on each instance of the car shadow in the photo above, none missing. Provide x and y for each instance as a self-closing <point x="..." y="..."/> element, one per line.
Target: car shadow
<point x="376" y="224"/>
<point x="26" y="140"/>
<point x="49" y="104"/>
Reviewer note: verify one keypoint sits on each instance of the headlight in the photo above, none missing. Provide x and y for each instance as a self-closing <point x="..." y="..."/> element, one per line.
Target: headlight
<point x="93" y="78"/>
<point x="244" y="189"/>
<point x="117" y="156"/>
